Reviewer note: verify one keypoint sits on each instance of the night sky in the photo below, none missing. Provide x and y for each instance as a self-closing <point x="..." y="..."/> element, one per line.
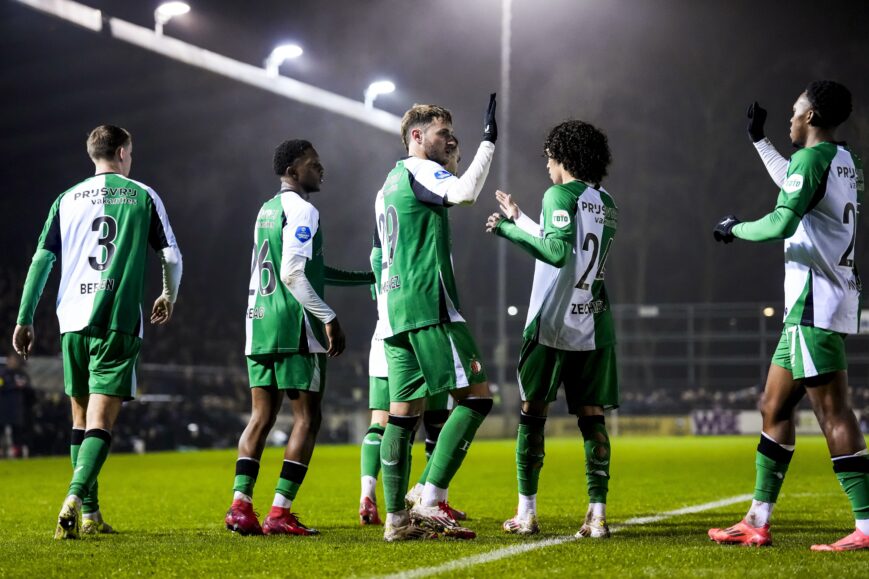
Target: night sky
<point x="667" y="80"/>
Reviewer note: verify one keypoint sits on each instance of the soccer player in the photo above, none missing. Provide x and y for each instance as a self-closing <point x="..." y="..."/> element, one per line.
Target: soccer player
<point x="100" y="229"/>
<point x="428" y="346"/>
<point x="289" y="333"/>
<point x="816" y="216"/>
<point x="569" y="334"/>
<point x="434" y="417"/>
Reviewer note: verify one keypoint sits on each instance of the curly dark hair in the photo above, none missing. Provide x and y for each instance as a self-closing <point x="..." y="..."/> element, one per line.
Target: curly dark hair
<point x="287" y="152"/>
<point x="581" y="148"/>
<point x="831" y="102"/>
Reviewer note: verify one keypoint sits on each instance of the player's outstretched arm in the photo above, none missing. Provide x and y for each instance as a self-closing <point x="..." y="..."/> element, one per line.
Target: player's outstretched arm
<point x="464" y="190"/>
<point x="776" y="165"/>
<point x="512" y="211"/>
<point x="341" y="277"/>
<point x="548" y="249"/>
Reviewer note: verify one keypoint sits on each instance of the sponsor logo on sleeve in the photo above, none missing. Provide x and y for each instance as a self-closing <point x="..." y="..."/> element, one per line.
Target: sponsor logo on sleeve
<point x="443" y="174"/>
<point x="560" y="218"/>
<point x="303" y="233"/>
<point x="793" y="183"/>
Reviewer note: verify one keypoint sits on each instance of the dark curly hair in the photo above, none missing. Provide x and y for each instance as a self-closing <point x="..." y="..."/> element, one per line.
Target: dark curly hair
<point x="831" y="102"/>
<point x="287" y="152"/>
<point x="581" y="148"/>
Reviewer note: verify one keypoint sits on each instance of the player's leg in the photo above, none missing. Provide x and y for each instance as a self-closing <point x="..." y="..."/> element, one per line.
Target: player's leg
<point x="265" y="403"/>
<point x="92" y="518"/>
<point x="539" y="377"/>
<point x="781" y="395"/>
<point x="378" y="402"/>
<point x="830" y="400"/>
<point x="433" y="419"/>
<point x="450" y="359"/>
<point x="109" y="359"/>
<point x="407" y="401"/>
<point x="304" y="378"/>
<point x="591" y="384"/>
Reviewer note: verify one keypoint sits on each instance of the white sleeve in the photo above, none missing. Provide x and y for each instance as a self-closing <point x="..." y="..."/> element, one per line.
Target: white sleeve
<point x="433" y="184"/>
<point x="293" y="276"/>
<point x="162" y="239"/>
<point x="170" y="258"/>
<point x="776" y="165"/>
<point x="528" y="225"/>
<point x="298" y="234"/>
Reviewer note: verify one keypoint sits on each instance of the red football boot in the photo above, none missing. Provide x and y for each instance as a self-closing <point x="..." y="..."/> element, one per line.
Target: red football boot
<point x="853" y="542"/>
<point x="742" y="534"/>
<point x="456" y="513"/>
<point x="368" y="514"/>
<point x="241" y="519"/>
<point x="283" y="522"/>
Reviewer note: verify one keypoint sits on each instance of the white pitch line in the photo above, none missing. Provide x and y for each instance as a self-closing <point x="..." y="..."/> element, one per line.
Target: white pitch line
<point x="506" y="552"/>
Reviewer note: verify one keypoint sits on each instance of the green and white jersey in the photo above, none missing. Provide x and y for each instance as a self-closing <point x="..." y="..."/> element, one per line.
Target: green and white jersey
<point x="275" y="322"/>
<point x="101" y="229"/>
<point x="417" y="285"/>
<point x="569" y="307"/>
<point x="824" y="186"/>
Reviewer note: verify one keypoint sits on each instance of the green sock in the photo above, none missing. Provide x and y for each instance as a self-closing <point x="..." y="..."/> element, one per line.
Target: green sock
<point x="853" y="474"/>
<point x="292" y="475"/>
<point x="371" y="451"/>
<point x="395" y="460"/>
<point x="91" y="455"/>
<point x="597" y="457"/>
<point x="529" y="452"/>
<point x="455" y="440"/>
<point x="90" y="503"/>
<point x="771" y="464"/>
<point x="424" y="476"/>
<point x="246" y="471"/>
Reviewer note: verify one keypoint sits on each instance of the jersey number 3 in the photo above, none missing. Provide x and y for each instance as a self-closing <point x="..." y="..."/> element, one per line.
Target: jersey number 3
<point x="107" y="228"/>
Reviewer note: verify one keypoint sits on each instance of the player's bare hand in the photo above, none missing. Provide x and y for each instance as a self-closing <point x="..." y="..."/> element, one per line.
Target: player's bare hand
<point x="493" y="221"/>
<point x="335" y="335"/>
<point x="508" y="206"/>
<point x="23" y="339"/>
<point x="162" y="311"/>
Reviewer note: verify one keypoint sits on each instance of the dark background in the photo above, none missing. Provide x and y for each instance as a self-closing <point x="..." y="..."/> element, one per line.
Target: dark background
<point x="667" y="80"/>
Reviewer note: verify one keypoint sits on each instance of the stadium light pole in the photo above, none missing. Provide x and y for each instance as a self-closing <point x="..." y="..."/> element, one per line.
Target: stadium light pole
<point x="375" y="89"/>
<point x="166" y="12"/>
<point x="279" y="55"/>
<point x="503" y="175"/>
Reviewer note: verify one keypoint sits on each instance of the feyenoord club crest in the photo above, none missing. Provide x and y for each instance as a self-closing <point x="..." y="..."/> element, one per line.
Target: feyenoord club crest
<point x="476" y="367"/>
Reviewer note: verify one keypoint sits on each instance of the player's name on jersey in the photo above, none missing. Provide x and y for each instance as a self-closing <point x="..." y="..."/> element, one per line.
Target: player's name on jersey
<point x="610" y="215"/>
<point x="393" y="283"/>
<point x="104" y="285"/>
<point x="595" y="307"/>
<point x="256" y="313"/>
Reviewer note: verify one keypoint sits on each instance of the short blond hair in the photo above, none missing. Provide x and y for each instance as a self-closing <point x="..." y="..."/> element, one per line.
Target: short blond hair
<point x="104" y="140"/>
<point x="421" y="116"/>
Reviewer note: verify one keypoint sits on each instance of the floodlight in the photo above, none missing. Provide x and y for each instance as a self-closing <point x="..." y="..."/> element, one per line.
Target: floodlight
<point x="376" y="89"/>
<point x="166" y="12"/>
<point x="279" y="55"/>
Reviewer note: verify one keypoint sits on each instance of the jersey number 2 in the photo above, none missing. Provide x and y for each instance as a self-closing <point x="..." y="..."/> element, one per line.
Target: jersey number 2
<point x="849" y="217"/>
<point x="592" y="242"/>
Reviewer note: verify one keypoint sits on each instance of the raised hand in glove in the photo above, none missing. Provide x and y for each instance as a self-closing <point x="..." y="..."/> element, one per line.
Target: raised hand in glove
<point x="756" y="118"/>
<point x="724" y="230"/>
<point x="490" y="127"/>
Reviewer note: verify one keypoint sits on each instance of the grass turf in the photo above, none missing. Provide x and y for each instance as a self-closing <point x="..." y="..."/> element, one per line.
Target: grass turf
<point x="169" y="509"/>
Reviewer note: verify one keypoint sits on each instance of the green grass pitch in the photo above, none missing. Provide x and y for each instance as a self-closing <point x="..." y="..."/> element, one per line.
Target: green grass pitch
<point x="169" y="509"/>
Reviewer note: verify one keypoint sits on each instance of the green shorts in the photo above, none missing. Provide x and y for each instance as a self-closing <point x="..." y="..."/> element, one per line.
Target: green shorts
<point x="432" y="360"/>
<point x="590" y="378"/>
<point x="807" y="351"/>
<point x="305" y="372"/>
<point x="99" y="361"/>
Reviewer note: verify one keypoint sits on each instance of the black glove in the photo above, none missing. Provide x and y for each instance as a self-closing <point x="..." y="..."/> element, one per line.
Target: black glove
<point x="756" y="118"/>
<point x="490" y="127"/>
<point x="723" y="231"/>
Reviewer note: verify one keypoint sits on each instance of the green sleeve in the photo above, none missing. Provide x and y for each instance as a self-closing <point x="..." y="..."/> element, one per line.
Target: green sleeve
<point x="37" y="275"/>
<point x="559" y="231"/>
<point x="801" y="191"/>
<point x="47" y="249"/>
<point x="780" y="224"/>
<point x="340" y="277"/>
<point x="376" y="263"/>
